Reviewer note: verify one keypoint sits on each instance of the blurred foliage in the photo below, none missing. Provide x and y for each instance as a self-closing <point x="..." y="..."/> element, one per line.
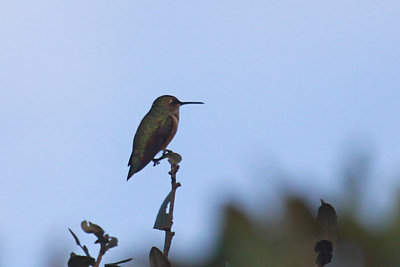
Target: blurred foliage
<point x="298" y="237"/>
<point x="246" y="241"/>
<point x="327" y="220"/>
<point x="292" y="240"/>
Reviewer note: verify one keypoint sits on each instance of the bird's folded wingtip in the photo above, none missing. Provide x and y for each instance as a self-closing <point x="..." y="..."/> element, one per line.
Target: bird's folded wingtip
<point x="130" y="173"/>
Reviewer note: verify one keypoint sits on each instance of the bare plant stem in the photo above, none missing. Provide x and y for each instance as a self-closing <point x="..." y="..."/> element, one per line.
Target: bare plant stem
<point x="102" y="251"/>
<point x="168" y="233"/>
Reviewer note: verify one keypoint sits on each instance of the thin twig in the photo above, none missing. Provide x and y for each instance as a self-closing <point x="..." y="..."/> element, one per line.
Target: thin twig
<point x="168" y="233"/>
<point x="102" y="251"/>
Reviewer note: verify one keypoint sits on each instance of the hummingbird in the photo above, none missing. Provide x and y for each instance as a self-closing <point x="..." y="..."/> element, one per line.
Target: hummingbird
<point x="155" y="131"/>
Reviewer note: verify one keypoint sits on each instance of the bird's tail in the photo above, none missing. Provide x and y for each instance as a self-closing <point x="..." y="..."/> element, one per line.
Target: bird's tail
<point x="131" y="169"/>
<point x="130" y="173"/>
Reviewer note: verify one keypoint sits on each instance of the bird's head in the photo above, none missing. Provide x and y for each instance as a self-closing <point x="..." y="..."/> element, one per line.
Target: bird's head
<point x="170" y="103"/>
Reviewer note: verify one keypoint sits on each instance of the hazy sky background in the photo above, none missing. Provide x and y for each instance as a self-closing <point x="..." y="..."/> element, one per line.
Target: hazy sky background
<point x="288" y="87"/>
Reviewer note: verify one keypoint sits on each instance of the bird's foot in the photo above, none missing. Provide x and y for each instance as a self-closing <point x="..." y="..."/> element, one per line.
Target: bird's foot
<point x="163" y="156"/>
<point x="156" y="162"/>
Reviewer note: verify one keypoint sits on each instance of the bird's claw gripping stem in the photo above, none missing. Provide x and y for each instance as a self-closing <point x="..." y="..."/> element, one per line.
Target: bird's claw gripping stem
<point x="164" y="155"/>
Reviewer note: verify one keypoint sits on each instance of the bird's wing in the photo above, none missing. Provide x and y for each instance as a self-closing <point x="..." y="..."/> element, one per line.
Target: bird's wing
<point x="158" y="140"/>
<point x="145" y="150"/>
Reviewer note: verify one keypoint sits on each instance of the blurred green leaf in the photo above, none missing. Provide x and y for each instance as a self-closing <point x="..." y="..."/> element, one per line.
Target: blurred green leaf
<point x="327" y="220"/>
<point x="162" y="220"/>
<point x="158" y="259"/>
<point x="80" y="261"/>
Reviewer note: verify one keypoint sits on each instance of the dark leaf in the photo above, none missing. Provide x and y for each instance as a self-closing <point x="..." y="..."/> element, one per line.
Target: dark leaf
<point x="86" y="250"/>
<point x="112" y="242"/>
<point x="324" y="250"/>
<point x="158" y="259"/>
<point x="75" y="237"/>
<point x="162" y="220"/>
<point x="92" y="228"/>
<point x="115" y="264"/>
<point x="80" y="261"/>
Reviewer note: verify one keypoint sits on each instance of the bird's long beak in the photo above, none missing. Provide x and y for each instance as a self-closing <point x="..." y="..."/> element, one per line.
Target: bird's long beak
<point x="184" y="103"/>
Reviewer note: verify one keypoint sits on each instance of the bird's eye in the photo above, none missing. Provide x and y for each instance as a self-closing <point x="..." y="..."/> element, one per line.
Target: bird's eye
<point x="174" y="102"/>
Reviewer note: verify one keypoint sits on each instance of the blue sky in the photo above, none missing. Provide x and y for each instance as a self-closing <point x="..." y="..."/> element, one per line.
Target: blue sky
<point x="288" y="86"/>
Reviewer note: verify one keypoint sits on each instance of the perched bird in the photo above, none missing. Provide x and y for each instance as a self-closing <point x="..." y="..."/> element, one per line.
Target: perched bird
<point x="155" y="131"/>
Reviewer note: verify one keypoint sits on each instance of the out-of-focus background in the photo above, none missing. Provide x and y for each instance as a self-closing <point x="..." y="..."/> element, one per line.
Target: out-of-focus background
<point x="302" y="103"/>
